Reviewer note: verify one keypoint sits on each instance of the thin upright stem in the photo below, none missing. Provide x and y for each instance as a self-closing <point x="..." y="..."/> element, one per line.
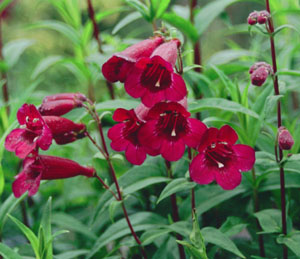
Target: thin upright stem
<point x="175" y="213"/>
<point x="276" y="90"/>
<point x="106" y="187"/>
<point x="256" y="209"/>
<point x="95" y="115"/>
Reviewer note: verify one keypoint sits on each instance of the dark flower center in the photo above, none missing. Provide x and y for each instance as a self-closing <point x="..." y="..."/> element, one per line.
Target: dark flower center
<point x="172" y="125"/>
<point x="219" y="153"/>
<point x="155" y="77"/>
<point x="130" y="131"/>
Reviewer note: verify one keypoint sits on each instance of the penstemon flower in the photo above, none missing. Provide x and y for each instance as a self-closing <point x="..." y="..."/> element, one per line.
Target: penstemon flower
<point x="153" y="79"/>
<point x="221" y="159"/>
<point x="285" y="139"/>
<point x="124" y="136"/>
<point x="169" y="129"/>
<point x="32" y="134"/>
<point x="120" y="64"/>
<point x="259" y="73"/>
<point x="37" y="168"/>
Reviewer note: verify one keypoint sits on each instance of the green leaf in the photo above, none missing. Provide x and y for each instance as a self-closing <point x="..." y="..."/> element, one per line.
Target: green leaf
<point x="159" y="7"/>
<point x="112" y="208"/>
<point x="14" y="49"/>
<point x="140" y="221"/>
<point x="60" y="27"/>
<point x="46" y="226"/>
<point x="291" y="241"/>
<point x="232" y="226"/>
<point x="69" y="222"/>
<point x="112" y="105"/>
<point x="71" y="254"/>
<point x="270" y="105"/>
<point x="216" y="237"/>
<point x="183" y="25"/>
<point x="288" y="72"/>
<point x="209" y="12"/>
<point x="285" y="26"/>
<point x="174" y="186"/>
<point x="29" y="234"/>
<point x="125" y="21"/>
<point x="44" y="65"/>
<point x="270" y="220"/>
<point x="8" y="253"/>
<point x="151" y="235"/>
<point x="195" y="252"/>
<point x="222" y="104"/>
<point x="142" y="8"/>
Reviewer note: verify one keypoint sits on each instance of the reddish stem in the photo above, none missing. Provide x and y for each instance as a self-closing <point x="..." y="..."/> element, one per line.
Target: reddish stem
<point x="175" y="213"/>
<point x="276" y="90"/>
<point x="4" y="76"/>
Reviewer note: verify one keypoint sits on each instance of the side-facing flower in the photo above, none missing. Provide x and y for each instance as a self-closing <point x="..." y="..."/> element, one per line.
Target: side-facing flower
<point x="37" y="168"/>
<point x="60" y="104"/>
<point x="64" y="130"/>
<point x="259" y="73"/>
<point x="169" y="129"/>
<point x="119" y="65"/>
<point x="221" y="159"/>
<point x="252" y="18"/>
<point x="285" y="139"/>
<point x="124" y="135"/>
<point x="33" y="132"/>
<point x="153" y="79"/>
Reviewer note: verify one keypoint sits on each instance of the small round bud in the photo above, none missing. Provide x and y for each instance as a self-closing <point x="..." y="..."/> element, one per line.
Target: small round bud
<point x="263" y="17"/>
<point x="252" y="18"/>
<point x="285" y="139"/>
<point x="259" y="73"/>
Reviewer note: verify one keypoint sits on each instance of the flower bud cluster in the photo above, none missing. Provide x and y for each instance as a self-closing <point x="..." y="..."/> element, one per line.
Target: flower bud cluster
<point x="38" y="127"/>
<point x="260" y="17"/>
<point x="259" y="73"/>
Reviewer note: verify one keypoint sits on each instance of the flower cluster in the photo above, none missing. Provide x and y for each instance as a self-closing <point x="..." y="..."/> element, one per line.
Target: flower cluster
<point x="38" y="127"/>
<point x="260" y="17"/>
<point x="161" y="124"/>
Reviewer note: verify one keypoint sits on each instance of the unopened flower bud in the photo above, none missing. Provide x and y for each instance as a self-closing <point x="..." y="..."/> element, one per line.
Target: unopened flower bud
<point x="263" y="17"/>
<point x="65" y="96"/>
<point x="285" y="139"/>
<point x="259" y="73"/>
<point x="252" y="18"/>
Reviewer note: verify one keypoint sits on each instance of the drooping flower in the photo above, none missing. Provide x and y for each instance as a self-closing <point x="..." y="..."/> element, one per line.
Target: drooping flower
<point x="252" y="18"/>
<point x="37" y="168"/>
<point x="64" y="130"/>
<point x="285" y="139"/>
<point x="33" y="132"/>
<point x="221" y="159"/>
<point x="119" y="65"/>
<point x="153" y="79"/>
<point x="124" y="136"/>
<point x="60" y="104"/>
<point x="169" y="129"/>
<point x="260" y="72"/>
<point x="263" y="17"/>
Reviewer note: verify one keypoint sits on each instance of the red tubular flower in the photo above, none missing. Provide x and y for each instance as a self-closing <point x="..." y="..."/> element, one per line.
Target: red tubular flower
<point x="41" y="167"/>
<point x="168" y="129"/>
<point x="285" y="139"/>
<point x="153" y="79"/>
<point x="124" y="136"/>
<point x="60" y="104"/>
<point x="220" y="159"/>
<point x="252" y="18"/>
<point x="118" y="66"/>
<point x="33" y="132"/>
<point x="64" y="130"/>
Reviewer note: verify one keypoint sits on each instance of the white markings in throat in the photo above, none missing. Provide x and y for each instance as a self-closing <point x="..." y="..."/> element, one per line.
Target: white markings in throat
<point x="173" y="133"/>
<point x="220" y="165"/>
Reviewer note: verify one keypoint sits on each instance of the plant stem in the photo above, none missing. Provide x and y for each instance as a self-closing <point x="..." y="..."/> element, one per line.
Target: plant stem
<point x="175" y="213"/>
<point x="276" y="90"/>
<point x="4" y="76"/>
<point x="106" y="187"/>
<point x="256" y="209"/>
<point x="95" y="115"/>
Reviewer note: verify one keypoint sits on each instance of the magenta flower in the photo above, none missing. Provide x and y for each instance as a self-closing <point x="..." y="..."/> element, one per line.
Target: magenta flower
<point x="169" y="129"/>
<point x="39" y="168"/>
<point x="64" y="130"/>
<point x="153" y="79"/>
<point x="124" y="136"/>
<point x="32" y="134"/>
<point x="220" y="159"/>
<point x="60" y="104"/>
<point x="119" y="65"/>
<point x="259" y="73"/>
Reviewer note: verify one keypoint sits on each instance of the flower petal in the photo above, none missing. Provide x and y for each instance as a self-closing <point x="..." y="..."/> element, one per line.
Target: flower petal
<point x="197" y="130"/>
<point x="201" y="171"/>
<point x="149" y="99"/>
<point x="26" y="182"/>
<point x="147" y="137"/>
<point x="227" y="134"/>
<point x="119" y="143"/>
<point x="172" y="150"/>
<point x="228" y="177"/>
<point x="209" y="137"/>
<point x="45" y="140"/>
<point x="135" y="154"/>
<point x="13" y="139"/>
<point x="132" y="84"/>
<point x="245" y="156"/>
<point x="177" y="91"/>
